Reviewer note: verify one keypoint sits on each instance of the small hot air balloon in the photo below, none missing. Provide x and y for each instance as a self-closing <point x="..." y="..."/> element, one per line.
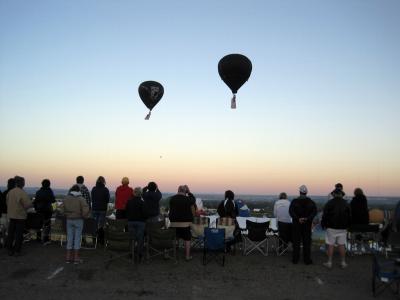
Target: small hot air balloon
<point x="235" y="70"/>
<point x="151" y="93"/>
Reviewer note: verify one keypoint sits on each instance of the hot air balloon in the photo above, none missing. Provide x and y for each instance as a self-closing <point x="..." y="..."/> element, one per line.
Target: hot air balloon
<point x="151" y="93"/>
<point x="235" y="70"/>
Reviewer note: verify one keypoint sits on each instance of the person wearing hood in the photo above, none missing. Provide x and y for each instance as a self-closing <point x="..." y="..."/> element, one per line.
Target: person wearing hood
<point x="336" y="218"/>
<point x="122" y="195"/>
<point x="100" y="199"/>
<point x="151" y="197"/>
<point x="75" y="209"/>
<point x="44" y="199"/>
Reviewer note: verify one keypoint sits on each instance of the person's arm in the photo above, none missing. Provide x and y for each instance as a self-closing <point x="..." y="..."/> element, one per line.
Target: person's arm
<point x="25" y="201"/>
<point x="313" y="212"/>
<point x="84" y="207"/>
<point x="292" y="211"/>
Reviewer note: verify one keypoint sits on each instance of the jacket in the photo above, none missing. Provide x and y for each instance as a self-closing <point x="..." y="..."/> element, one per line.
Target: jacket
<point x="100" y="197"/>
<point x="122" y="194"/>
<point x="302" y="207"/>
<point x="17" y="203"/>
<point x="180" y="209"/>
<point x="43" y="199"/>
<point x="134" y="210"/>
<point x="74" y="206"/>
<point x="336" y="214"/>
<point x="151" y="206"/>
<point x="359" y="210"/>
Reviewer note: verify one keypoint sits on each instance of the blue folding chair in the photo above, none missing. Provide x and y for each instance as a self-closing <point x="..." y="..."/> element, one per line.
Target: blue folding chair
<point x="214" y="245"/>
<point x="385" y="274"/>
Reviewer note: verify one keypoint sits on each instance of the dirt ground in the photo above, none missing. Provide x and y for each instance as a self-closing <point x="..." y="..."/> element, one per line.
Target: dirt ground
<point x="42" y="274"/>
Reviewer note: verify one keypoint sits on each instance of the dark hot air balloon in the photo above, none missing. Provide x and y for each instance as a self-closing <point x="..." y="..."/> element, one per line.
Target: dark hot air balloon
<point x="235" y="70"/>
<point x="151" y="93"/>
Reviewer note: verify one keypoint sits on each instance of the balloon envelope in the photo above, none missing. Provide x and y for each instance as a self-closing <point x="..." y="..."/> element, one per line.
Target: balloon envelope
<point x="235" y="70"/>
<point x="151" y="93"/>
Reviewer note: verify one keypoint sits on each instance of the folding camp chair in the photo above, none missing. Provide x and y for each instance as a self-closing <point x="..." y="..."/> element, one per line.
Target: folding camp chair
<point x="117" y="240"/>
<point x="385" y="274"/>
<point x="59" y="229"/>
<point x="160" y="241"/>
<point x="256" y="238"/>
<point x="362" y="238"/>
<point x="214" y="245"/>
<point x="197" y="231"/>
<point x="89" y="231"/>
<point x="34" y="222"/>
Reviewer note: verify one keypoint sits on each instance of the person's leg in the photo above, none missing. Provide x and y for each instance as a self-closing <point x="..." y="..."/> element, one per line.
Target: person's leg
<point x="140" y="226"/>
<point x="19" y="235"/>
<point x="342" y="248"/>
<point x="11" y="236"/>
<point x="78" y="226"/>
<point x="306" y="237"/>
<point x="68" y="256"/>
<point x="47" y="226"/>
<point x="296" y="243"/>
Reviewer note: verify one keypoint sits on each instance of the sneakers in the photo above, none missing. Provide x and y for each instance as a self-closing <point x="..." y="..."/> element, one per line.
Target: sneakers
<point x="188" y="258"/>
<point x="343" y="265"/>
<point x="327" y="264"/>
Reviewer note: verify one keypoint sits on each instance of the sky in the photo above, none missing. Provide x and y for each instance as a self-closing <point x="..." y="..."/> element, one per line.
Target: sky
<point x="321" y="105"/>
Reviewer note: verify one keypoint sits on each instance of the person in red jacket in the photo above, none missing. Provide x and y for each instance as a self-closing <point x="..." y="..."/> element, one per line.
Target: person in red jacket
<point x="122" y="195"/>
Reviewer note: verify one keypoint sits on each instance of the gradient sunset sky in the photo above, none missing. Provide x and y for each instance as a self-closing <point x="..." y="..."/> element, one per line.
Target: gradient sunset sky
<point x="321" y="105"/>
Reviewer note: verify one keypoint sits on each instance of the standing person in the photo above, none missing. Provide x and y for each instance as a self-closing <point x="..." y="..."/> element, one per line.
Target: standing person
<point x="122" y="194"/>
<point x="100" y="198"/>
<point x="75" y="209"/>
<point x="336" y="218"/>
<point x="227" y="208"/>
<point x="84" y="190"/>
<point x="10" y="186"/>
<point x="17" y="203"/>
<point x="136" y="220"/>
<point x="302" y="210"/>
<point x="151" y="197"/>
<point x="283" y="219"/>
<point x="181" y="212"/>
<point x="338" y="188"/>
<point x="359" y="208"/>
<point x="44" y="199"/>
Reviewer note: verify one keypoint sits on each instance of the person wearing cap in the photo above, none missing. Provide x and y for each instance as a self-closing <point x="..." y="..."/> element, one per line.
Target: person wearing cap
<point x="136" y="221"/>
<point x="122" y="194"/>
<point x="336" y="218"/>
<point x="302" y="210"/>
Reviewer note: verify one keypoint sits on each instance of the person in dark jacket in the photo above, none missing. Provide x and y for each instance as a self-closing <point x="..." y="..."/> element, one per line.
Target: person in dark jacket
<point x="100" y="198"/>
<point x="359" y="208"/>
<point x="136" y="220"/>
<point x="227" y="208"/>
<point x="3" y="204"/>
<point x="302" y="210"/>
<point x="44" y="199"/>
<point x="181" y="212"/>
<point x="151" y="197"/>
<point x="336" y="218"/>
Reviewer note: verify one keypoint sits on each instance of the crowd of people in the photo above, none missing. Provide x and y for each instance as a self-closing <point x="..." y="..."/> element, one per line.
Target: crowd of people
<point x="139" y="206"/>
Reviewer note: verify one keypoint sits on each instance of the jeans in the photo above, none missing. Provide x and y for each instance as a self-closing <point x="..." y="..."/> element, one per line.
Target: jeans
<point x="74" y="233"/>
<point x="100" y="217"/>
<point x="137" y="228"/>
<point x="301" y="235"/>
<point x="15" y="235"/>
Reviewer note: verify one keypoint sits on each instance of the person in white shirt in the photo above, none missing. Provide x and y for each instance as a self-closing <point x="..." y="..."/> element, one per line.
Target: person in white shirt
<point x="283" y="219"/>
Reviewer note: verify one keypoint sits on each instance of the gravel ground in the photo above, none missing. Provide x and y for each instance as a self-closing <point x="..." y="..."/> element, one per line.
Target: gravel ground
<point x="42" y="274"/>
